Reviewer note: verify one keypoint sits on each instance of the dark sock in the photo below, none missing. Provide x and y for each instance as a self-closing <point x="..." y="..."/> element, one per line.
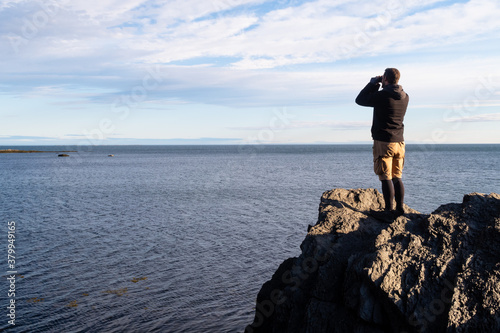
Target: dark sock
<point x="399" y="192"/>
<point x="388" y="193"/>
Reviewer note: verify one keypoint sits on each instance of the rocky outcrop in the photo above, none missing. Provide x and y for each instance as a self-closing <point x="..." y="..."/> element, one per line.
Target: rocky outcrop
<point x="436" y="272"/>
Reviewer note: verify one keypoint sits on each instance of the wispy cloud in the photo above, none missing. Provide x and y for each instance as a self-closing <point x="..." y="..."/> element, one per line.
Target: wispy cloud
<point x="337" y="125"/>
<point x="10" y="139"/>
<point x="487" y="117"/>
<point x="77" y="140"/>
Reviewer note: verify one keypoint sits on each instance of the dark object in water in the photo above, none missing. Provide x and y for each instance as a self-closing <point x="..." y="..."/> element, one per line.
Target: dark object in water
<point x="63" y="155"/>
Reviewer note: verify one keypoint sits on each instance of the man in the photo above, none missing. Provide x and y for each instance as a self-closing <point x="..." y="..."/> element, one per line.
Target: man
<point x="389" y="108"/>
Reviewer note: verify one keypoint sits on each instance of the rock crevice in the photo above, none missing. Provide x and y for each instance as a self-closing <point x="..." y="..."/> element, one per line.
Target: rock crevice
<point x="436" y="272"/>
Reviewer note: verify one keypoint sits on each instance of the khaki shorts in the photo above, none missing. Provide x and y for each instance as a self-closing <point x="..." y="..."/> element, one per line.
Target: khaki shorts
<point x="388" y="159"/>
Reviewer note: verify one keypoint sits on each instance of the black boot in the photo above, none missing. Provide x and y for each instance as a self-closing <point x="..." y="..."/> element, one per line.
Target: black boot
<point x="399" y="194"/>
<point x="388" y="193"/>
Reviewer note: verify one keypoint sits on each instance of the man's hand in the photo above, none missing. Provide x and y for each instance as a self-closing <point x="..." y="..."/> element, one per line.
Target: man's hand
<point x="376" y="79"/>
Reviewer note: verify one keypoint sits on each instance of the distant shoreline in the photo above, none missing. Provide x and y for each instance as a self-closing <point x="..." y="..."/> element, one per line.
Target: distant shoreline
<point x="14" y="151"/>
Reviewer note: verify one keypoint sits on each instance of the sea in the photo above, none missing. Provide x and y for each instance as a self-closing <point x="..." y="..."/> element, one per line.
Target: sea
<point x="181" y="238"/>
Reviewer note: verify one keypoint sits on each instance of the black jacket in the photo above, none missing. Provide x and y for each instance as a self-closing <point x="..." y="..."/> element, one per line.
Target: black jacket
<point x="389" y="109"/>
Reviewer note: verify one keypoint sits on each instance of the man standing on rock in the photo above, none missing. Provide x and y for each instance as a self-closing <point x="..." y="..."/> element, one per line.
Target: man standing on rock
<point x="389" y="108"/>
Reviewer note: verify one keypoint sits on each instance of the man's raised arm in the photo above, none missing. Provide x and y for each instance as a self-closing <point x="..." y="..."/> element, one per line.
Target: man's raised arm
<point x="365" y="96"/>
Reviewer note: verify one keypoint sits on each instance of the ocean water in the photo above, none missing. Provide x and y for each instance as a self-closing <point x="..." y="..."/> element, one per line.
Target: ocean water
<point x="181" y="238"/>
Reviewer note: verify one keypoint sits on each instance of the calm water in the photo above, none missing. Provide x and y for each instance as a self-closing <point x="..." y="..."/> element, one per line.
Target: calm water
<point x="181" y="238"/>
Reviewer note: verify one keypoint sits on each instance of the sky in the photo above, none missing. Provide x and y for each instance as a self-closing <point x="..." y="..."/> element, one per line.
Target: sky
<point x="243" y="71"/>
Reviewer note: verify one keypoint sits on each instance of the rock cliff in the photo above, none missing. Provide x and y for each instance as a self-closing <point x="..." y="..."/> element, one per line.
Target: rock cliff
<point x="436" y="272"/>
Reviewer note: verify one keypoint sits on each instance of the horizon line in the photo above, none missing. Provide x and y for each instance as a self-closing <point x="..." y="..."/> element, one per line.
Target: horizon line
<point x="240" y="144"/>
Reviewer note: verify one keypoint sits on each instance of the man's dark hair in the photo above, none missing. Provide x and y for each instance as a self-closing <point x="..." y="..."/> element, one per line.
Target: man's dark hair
<point x="392" y="75"/>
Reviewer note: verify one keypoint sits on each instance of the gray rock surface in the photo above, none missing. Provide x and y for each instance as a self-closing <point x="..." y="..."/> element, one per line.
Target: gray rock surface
<point x="436" y="272"/>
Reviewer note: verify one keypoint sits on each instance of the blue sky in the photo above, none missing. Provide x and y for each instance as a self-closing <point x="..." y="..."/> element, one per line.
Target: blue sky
<point x="243" y="71"/>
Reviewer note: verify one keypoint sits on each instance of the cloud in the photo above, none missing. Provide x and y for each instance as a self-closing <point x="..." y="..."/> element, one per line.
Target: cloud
<point x="12" y="139"/>
<point x="487" y="117"/>
<point x="338" y="125"/>
<point x="430" y="83"/>
<point x="79" y="140"/>
<point x="137" y="32"/>
<point x="322" y="32"/>
<point x="180" y="84"/>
